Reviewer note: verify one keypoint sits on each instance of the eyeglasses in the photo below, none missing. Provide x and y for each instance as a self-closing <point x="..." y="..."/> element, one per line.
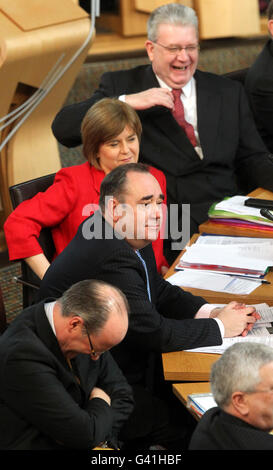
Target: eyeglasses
<point x="92" y="350"/>
<point x="177" y="49"/>
<point x="270" y="390"/>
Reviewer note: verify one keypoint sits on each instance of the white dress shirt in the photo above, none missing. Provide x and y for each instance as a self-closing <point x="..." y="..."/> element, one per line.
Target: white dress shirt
<point x="188" y="98"/>
<point x="49" y="313"/>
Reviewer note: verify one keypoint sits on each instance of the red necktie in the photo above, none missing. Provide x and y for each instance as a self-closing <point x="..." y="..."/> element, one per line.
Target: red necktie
<point x="178" y="114"/>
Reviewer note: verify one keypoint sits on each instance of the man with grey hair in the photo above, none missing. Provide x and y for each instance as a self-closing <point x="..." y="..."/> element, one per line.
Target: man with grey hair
<point x="60" y="389"/>
<point x="259" y="86"/>
<point x="197" y="126"/>
<point x="242" y="386"/>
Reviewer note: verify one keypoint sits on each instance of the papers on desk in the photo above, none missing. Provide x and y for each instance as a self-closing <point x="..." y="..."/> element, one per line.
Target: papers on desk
<point x="234" y="265"/>
<point x="200" y="402"/>
<point x="213" y="281"/>
<point x="243" y="256"/>
<point x="260" y="333"/>
<point x="233" y="208"/>
<point x="227" y="342"/>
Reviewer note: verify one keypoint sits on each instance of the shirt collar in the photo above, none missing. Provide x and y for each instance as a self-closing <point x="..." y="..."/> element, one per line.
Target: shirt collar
<point x="49" y="313"/>
<point x="187" y="89"/>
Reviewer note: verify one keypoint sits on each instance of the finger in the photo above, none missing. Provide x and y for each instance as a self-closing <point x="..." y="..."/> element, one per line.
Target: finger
<point x="232" y="304"/>
<point x="246" y="310"/>
<point x="250" y="319"/>
<point x="239" y="305"/>
<point x="256" y="316"/>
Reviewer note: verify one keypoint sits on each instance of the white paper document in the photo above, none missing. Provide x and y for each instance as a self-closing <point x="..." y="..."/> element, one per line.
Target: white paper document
<point x="236" y="204"/>
<point x="227" y="342"/>
<point x="213" y="281"/>
<point x="229" y="240"/>
<point x="256" y="256"/>
<point x="201" y="401"/>
<point x="259" y="332"/>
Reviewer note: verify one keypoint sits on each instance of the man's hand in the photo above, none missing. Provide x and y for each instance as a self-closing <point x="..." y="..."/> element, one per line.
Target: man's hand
<point x="149" y="98"/>
<point x="237" y="318"/>
<point x="99" y="393"/>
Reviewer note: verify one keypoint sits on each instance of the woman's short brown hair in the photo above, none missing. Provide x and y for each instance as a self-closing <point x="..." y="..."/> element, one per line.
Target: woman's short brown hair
<point x="104" y="121"/>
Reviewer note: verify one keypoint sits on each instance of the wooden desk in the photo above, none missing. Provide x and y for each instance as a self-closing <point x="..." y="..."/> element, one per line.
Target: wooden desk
<point x="221" y="229"/>
<point x="182" y="391"/>
<point x="190" y="366"/>
<point x="187" y="366"/>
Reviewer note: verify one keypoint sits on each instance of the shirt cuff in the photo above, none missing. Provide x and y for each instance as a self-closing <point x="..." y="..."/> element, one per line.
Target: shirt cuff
<point x="122" y="98"/>
<point x="204" y="312"/>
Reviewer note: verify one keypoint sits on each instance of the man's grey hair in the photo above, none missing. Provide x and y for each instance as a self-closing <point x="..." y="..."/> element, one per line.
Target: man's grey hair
<point x="172" y="13"/>
<point x="93" y="301"/>
<point x="238" y="369"/>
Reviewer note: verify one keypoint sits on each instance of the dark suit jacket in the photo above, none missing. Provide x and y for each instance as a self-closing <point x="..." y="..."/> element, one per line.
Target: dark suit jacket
<point x="163" y="325"/>
<point x="231" y="144"/>
<point x="259" y="87"/>
<point x="42" y="405"/>
<point x="218" y="430"/>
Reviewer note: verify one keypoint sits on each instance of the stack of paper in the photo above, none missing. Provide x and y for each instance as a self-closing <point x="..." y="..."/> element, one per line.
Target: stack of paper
<point x="215" y="282"/>
<point x="201" y="402"/>
<point x="233" y="265"/>
<point x="232" y="211"/>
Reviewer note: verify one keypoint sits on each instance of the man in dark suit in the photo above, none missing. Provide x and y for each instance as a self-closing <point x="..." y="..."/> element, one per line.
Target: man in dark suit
<point x="57" y="390"/>
<point x="242" y="385"/>
<point x="224" y="145"/>
<point x="259" y="87"/>
<point x="113" y="247"/>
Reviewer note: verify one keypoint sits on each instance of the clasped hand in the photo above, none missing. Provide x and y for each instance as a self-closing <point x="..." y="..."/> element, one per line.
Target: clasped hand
<point x="238" y="319"/>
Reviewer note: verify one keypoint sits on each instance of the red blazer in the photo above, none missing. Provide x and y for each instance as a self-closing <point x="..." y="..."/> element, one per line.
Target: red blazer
<point x="72" y="197"/>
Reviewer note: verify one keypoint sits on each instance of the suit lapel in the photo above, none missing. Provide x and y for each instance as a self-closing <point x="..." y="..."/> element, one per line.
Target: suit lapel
<point x="207" y="100"/>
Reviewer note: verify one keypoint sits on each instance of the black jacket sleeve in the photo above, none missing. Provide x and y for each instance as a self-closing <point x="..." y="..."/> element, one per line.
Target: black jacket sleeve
<point x="66" y="126"/>
<point x="113" y="382"/>
<point x="165" y="324"/>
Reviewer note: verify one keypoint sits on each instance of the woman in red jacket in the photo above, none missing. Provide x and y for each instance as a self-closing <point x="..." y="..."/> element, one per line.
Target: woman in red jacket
<point x="111" y="132"/>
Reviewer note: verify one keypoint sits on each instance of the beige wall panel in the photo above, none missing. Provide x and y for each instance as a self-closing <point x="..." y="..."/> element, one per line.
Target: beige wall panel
<point x="227" y="18"/>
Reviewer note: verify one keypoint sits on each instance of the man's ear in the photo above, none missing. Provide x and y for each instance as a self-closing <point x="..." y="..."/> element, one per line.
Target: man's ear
<point x="114" y="210"/>
<point x="109" y="207"/>
<point x="240" y="403"/>
<point x="75" y="322"/>
<point x="150" y="49"/>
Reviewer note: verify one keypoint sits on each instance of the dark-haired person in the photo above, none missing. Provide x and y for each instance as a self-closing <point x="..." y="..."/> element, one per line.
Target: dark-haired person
<point x="217" y="152"/>
<point x="114" y="245"/>
<point x="111" y="133"/>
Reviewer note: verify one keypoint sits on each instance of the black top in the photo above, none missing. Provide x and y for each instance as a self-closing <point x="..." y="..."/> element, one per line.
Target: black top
<point x="218" y="430"/>
<point x="164" y="324"/>
<point x="42" y="404"/>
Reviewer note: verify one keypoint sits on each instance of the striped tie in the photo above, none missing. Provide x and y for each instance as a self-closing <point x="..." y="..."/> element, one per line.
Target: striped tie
<point x="179" y="115"/>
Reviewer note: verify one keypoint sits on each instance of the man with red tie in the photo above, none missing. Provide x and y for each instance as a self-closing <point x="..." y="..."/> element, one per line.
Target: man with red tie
<point x="204" y="139"/>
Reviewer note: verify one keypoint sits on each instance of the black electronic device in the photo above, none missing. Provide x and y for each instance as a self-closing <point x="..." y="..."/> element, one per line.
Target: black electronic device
<point x="267" y="213"/>
<point x="259" y="203"/>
